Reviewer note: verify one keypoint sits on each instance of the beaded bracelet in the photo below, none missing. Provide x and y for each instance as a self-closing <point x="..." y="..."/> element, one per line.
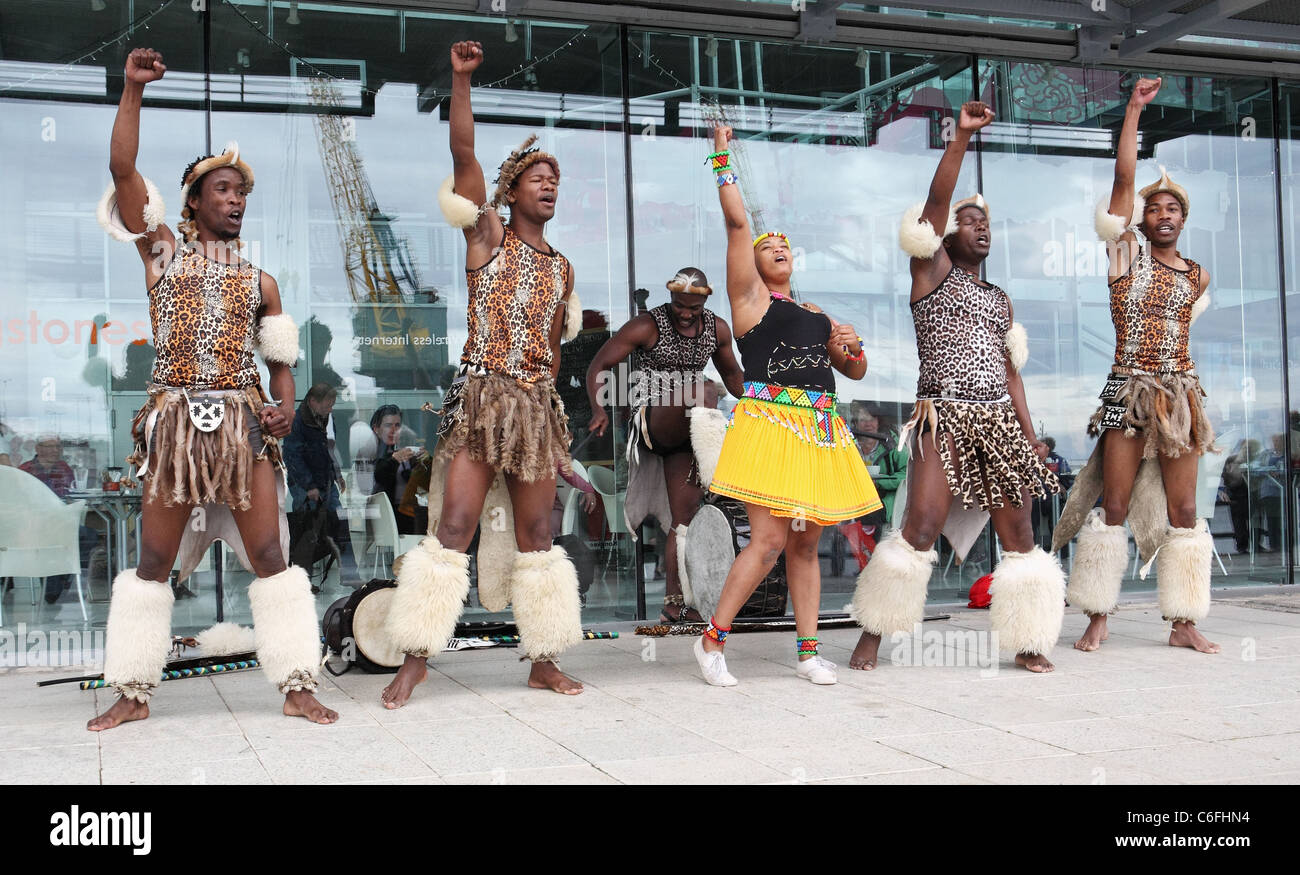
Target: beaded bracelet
<point x="860" y="355"/>
<point x="728" y="178"/>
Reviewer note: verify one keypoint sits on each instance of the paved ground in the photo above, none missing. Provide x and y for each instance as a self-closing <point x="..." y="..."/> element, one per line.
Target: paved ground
<point x="1136" y="712"/>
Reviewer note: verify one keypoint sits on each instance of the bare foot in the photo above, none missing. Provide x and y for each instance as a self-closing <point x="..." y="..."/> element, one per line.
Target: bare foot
<point x="547" y="676"/>
<point x="301" y="703"/>
<point x="864" y="655"/>
<point x="1094" y="634"/>
<point x="124" y="710"/>
<point x="409" y="676"/>
<point x="1035" y="662"/>
<point x="1185" y="634"/>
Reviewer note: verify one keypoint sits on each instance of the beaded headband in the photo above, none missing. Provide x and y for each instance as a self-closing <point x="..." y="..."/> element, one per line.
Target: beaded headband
<point x="761" y="237"/>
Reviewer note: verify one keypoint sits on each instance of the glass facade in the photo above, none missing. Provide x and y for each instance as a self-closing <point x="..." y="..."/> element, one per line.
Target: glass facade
<point x="342" y="112"/>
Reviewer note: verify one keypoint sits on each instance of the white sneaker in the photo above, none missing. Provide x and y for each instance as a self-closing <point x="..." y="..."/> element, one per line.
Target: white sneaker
<point x="714" y="666"/>
<point x="817" y="670"/>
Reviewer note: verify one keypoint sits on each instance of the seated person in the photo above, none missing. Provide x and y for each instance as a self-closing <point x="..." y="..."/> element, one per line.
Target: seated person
<point x="49" y="467"/>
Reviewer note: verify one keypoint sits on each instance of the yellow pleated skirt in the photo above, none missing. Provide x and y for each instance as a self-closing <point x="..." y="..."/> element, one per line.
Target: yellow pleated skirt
<point x="794" y="459"/>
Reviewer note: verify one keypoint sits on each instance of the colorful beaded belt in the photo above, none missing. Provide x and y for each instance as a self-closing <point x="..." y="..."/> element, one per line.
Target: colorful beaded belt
<point x="820" y="404"/>
<point x="787" y="395"/>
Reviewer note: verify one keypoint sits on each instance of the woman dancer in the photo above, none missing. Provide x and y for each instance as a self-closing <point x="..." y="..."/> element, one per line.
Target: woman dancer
<point x="788" y="454"/>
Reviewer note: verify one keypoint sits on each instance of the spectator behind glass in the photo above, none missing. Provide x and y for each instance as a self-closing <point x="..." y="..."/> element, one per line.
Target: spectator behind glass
<point x="392" y="465"/>
<point x="48" y="465"/>
<point x="313" y="474"/>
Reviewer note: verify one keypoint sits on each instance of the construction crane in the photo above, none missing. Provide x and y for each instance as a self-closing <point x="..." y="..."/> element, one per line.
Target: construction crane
<point x="400" y="333"/>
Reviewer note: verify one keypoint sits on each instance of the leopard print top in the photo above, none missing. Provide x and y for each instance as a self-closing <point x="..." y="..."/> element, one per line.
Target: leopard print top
<point x="204" y="316"/>
<point x="1151" y="306"/>
<point x="675" y="359"/>
<point x="961" y="337"/>
<point x="512" y="301"/>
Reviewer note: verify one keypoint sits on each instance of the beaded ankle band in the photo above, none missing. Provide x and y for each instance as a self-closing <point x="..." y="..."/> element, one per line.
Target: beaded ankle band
<point x="716" y="632"/>
<point x="806" y="646"/>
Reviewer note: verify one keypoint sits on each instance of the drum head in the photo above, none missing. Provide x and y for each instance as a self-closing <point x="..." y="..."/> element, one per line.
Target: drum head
<point x="370" y="629"/>
<point x="710" y="553"/>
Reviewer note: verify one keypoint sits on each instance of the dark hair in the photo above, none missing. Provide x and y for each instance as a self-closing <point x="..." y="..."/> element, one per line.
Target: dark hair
<point x="322" y="392"/>
<point x="387" y="410"/>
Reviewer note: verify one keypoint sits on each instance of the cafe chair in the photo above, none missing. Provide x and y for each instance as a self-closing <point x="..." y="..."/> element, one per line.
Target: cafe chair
<point x="38" y="533"/>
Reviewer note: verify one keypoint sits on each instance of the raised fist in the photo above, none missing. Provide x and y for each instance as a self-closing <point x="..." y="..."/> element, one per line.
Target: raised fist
<point x="1145" y="91"/>
<point x="144" y="66"/>
<point x="975" y="114"/>
<point x="721" y="134"/>
<point x="466" y="56"/>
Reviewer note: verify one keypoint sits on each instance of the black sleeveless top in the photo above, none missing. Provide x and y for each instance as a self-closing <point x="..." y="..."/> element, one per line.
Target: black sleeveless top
<point x="788" y="348"/>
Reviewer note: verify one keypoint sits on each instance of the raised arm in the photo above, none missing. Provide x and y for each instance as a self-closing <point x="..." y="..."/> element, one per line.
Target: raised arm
<point x="1123" y="190"/>
<point x="745" y="287"/>
<point x="928" y="273"/>
<point x="142" y="67"/>
<point x="481" y="237"/>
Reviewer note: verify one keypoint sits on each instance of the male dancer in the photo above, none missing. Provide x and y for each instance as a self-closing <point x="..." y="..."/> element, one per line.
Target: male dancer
<point x="674" y="341"/>
<point x="971" y="432"/>
<point x="207" y="435"/>
<point x="1151" y="410"/>
<point x="502" y="414"/>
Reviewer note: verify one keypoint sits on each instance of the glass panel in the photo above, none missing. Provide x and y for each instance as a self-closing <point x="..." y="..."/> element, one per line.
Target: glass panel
<point x="75" y="352"/>
<point x="1047" y="162"/>
<point x="1289" y="153"/>
<point x="833" y="145"/>
<point x="349" y="136"/>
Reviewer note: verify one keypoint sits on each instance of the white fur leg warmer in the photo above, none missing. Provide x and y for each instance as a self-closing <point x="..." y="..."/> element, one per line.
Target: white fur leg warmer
<point x="430" y="595"/>
<point x="286" y="629"/>
<point x="688" y="594"/>
<point x="138" y="636"/>
<point x="890" y="596"/>
<point x="1183" y="573"/>
<point x="1028" y="592"/>
<point x="1101" y="555"/>
<point x="544" y="590"/>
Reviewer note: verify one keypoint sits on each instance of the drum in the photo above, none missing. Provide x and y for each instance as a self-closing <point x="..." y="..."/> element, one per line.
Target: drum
<point x="717" y="534"/>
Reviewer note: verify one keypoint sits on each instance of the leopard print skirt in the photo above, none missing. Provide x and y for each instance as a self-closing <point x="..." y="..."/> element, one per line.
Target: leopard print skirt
<point x="986" y="457"/>
<point x="519" y="428"/>
<point x="1165" y="408"/>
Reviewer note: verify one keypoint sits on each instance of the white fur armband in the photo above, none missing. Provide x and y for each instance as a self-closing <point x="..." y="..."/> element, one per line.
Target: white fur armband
<point x="1018" y="345"/>
<point x="1202" y="304"/>
<point x="572" y="318"/>
<point x="459" y="211"/>
<point x="110" y="218"/>
<point x="917" y="237"/>
<point x="277" y="339"/>
<point x="1111" y="227"/>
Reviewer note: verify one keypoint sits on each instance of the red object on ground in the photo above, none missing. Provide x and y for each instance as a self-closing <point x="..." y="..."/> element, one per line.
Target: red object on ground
<point x="979" y="593"/>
